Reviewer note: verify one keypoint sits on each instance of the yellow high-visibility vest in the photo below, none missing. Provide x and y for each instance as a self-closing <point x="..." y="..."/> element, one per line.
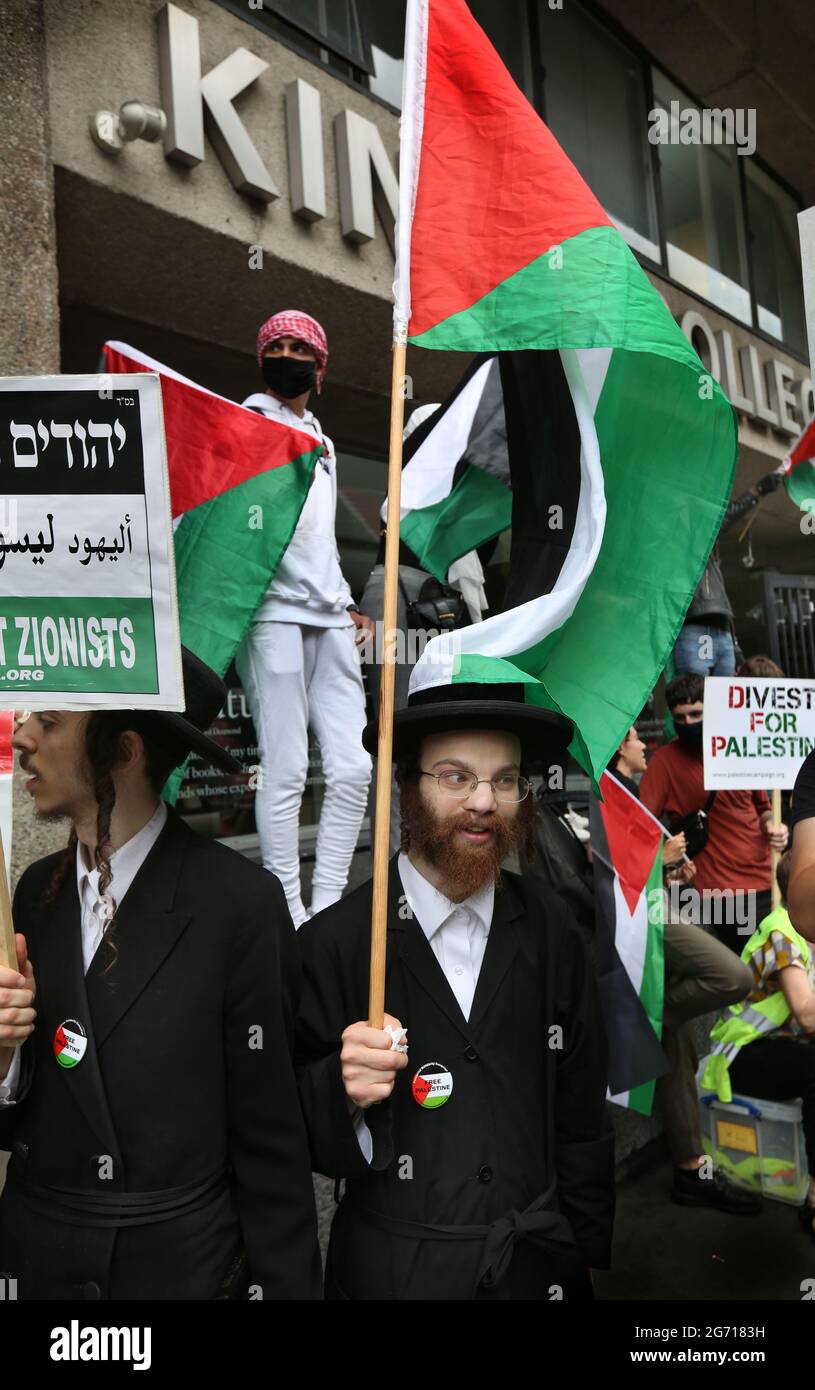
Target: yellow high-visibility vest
<point x="742" y="1023"/>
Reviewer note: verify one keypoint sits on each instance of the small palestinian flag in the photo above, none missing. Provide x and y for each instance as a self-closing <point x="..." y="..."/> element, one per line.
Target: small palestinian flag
<point x="626" y="842"/>
<point x="503" y="247"/>
<point x="800" y="471"/>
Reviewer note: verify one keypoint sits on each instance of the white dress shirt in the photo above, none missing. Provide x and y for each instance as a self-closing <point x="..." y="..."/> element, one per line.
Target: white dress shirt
<point x="457" y="933"/>
<point x="97" y="909"/>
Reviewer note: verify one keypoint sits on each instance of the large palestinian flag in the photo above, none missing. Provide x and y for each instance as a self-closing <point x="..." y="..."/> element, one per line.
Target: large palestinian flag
<point x="626" y="842"/>
<point x="237" y="486"/>
<point x="502" y="246"/>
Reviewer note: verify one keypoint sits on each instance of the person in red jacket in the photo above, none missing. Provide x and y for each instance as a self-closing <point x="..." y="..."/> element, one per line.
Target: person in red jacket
<point x="734" y="869"/>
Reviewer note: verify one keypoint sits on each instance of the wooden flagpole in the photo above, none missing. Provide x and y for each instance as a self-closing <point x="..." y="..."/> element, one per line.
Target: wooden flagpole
<point x="775" y="856"/>
<point x="384" y="768"/>
<point x="8" y="950"/>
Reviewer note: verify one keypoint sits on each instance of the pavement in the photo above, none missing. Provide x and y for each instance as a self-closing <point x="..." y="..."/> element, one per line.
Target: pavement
<point x="664" y="1251"/>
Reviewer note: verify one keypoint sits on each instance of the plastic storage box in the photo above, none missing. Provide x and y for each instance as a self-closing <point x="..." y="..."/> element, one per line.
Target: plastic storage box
<point x="757" y="1143"/>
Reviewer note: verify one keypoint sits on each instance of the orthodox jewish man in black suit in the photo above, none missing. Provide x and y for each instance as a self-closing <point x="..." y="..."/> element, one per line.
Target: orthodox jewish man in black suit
<point x="148" y="1094"/>
<point x="479" y="1164"/>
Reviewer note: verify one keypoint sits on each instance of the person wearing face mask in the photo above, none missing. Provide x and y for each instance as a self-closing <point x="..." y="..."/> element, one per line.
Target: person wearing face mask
<point x="741" y="833"/>
<point x="298" y="663"/>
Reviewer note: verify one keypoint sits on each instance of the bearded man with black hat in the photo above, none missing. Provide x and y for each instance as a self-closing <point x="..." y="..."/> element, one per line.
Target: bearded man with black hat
<point x="482" y="1167"/>
<point x="299" y="663"/>
<point x="148" y="1101"/>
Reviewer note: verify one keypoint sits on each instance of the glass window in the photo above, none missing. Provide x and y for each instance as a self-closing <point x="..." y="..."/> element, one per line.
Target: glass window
<point x="365" y="38"/>
<point x="506" y="26"/>
<point x="383" y="27"/>
<point x="595" y="103"/>
<point x="776" y="256"/>
<point x="701" y="206"/>
<point x="335" y="21"/>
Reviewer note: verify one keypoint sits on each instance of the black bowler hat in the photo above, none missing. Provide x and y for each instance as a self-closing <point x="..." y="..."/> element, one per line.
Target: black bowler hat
<point x="441" y="709"/>
<point x="204" y="694"/>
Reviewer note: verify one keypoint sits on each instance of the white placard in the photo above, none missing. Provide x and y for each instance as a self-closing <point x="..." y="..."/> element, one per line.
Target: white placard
<point x="88" y="611"/>
<point x="757" y="732"/>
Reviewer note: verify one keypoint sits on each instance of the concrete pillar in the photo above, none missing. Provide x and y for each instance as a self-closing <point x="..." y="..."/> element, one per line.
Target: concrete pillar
<point x="29" y="322"/>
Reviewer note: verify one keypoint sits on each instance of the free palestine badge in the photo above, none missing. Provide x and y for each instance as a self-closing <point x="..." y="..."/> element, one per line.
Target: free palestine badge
<point x="70" y="1043"/>
<point x="432" y="1085"/>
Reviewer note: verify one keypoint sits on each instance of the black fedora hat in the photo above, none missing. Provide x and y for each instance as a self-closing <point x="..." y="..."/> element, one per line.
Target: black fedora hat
<point x="204" y="695"/>
<point x="447" y="708"/>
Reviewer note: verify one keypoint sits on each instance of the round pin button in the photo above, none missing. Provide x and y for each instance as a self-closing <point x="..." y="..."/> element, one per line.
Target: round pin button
<point x="432" y="1085"/>
<point x="70" y="1043"/>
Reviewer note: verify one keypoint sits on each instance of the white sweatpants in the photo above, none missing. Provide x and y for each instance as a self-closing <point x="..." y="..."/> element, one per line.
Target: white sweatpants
<point x="295" y="677"/>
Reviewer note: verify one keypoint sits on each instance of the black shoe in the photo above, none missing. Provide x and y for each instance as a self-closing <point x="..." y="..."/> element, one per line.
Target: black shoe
<point x="691" y="1190"/>
<point x="806" y="1216"/>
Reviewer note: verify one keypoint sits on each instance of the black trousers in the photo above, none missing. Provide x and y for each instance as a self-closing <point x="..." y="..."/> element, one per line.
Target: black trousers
<point x="734" y="934"/>
<point x="780" y="1069"/>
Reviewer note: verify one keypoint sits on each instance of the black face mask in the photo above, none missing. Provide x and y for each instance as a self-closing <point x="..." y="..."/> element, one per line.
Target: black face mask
<point x="690" y="734"/>
<point x="287" y="377"/>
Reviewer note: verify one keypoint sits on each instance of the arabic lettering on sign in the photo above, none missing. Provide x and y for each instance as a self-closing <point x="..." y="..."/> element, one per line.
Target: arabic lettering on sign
<point x="36" y="549"/>
<point x="100" y="550"/>
<point x="24" y="435"/>
<point x="41" y="547"/>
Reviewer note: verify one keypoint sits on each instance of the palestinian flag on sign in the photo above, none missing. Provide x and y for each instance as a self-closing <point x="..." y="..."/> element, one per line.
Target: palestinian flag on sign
<point x="455" y="473"/>
<point x="503" y="247"/>
<point x="237" y="486"/>
<point x="626" y="842"/>
<point x="800" y="476"/>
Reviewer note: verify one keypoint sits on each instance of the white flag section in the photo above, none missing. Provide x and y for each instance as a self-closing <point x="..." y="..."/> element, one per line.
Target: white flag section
<point x="88" y="612"/>
<point x="6" y="770"/>
<point x="631" y="941"/>
<point x="520" y="628"/>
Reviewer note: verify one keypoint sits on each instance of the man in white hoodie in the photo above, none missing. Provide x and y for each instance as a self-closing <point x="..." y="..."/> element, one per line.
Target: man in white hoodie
<point x="298" y="664"/>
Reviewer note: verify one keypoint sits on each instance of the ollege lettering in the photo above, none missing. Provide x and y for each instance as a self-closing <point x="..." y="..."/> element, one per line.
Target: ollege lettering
<point x="103" y="1344"/>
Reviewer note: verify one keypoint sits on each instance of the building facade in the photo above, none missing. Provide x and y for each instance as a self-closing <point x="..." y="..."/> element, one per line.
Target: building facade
<point x="275" y="185"/>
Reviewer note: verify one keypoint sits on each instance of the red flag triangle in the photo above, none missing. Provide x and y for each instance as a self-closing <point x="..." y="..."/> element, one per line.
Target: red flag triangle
<point x="495" y="190"/>
<point x="632" y="835"/>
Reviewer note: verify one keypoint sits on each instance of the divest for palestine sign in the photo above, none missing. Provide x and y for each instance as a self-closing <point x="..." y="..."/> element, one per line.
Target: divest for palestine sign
<point x="88" y="615"/>
<point x="756" y="732"/>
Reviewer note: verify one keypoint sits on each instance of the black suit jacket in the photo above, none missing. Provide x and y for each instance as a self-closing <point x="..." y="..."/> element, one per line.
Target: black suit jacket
<point x="528" y="1101"/>
<point x="187" y="1071"/>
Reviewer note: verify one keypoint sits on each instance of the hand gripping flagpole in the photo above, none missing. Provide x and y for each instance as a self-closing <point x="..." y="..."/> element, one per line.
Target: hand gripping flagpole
<point x="384" y="770"/>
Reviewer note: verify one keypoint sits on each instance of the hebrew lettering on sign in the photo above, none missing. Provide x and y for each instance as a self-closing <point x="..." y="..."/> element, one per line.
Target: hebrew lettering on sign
<point x="26" y="434"/>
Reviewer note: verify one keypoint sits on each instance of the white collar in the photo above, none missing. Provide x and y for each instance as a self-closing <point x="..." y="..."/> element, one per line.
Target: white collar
<point x="432" y="908"/>
<point x="270" y="405"/>
<point x="126" y="861"/>
<point x="307" y="422"/>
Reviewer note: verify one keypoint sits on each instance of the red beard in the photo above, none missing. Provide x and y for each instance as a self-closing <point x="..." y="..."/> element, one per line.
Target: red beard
<point x="465" y="866"/>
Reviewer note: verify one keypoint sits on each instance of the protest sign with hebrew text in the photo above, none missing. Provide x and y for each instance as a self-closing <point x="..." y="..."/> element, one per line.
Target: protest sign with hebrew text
<point x="88" y="614"/>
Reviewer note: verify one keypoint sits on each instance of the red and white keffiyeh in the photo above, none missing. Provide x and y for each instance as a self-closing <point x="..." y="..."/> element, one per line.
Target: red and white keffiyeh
<point x="293" y="323"/>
